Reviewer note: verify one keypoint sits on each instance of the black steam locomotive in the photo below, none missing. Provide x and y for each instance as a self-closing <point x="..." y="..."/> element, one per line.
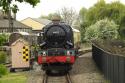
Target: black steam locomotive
<point x="57" y="51"/>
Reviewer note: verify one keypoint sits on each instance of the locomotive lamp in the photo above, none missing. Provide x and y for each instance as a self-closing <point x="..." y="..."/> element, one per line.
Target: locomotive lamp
<point x="44" y="53"/>
<point x="68" y="53"/>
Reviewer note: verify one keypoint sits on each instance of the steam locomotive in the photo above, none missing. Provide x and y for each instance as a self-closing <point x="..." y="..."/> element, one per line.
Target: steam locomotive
<point x="57" y="52"/>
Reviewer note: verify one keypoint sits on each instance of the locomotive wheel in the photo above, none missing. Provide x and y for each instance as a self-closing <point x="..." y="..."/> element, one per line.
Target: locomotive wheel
<point x="56" y="73"/>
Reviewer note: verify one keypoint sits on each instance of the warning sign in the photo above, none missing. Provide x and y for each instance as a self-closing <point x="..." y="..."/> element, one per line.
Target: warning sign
<point x="25" y="53"/>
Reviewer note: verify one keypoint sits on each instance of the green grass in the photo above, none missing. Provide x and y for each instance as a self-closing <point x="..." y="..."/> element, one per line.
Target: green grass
<point x="13" y="78"/>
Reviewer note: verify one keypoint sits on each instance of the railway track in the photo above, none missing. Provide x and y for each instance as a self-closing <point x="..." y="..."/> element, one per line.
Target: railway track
<point x="57" y="79"/>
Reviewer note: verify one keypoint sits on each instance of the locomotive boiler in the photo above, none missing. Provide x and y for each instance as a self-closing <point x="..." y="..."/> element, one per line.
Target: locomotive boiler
<point x="57" y="52"/>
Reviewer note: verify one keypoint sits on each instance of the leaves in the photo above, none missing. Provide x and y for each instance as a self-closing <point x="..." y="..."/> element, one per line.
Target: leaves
<point x="3" y="57"/>
<point x="103" y="29"/>
<point x="15" y="8"/>
<point x="32" y="2"/>
<point x="50" y="16"/>
<point x="3" y="39"/>
<point x="114" y="11"/>
<point x="68" y="15"/>
<point x="5" y="4"/>
<point x="3" y="70"/>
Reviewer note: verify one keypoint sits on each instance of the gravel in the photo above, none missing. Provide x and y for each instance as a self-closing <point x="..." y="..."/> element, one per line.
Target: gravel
<point x="35" y="75"/>
<point x="84" y="71"/>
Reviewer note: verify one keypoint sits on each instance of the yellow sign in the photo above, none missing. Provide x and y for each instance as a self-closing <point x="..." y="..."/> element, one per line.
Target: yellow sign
<point x="25" y="53"/>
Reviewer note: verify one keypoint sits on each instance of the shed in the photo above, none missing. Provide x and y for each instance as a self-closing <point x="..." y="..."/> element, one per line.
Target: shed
<point x="20" y="54"/>
<point x="77" y="36"/>
<point x="37" y="24"/>
<point x="17" y="26"/>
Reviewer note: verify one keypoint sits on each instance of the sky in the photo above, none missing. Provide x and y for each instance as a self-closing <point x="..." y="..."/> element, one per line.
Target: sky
<point x="50" y="6"/>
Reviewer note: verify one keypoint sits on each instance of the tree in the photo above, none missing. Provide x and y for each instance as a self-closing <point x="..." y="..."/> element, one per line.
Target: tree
<point x="82" y="15"/>
<point x="5" y="4"/>
<point x="97" y="12"/>
<point x="83" y="22"/>
<point x="3" y="57"/>
<point x="3" y="39"/>
<point x="14" y="10"/>
<point x="3" y="70"/>
<point x="103" y="29"/>
<point x="51" y="15"/>
<point x="113" y="11"/>
<point x="6" y="7"/>
<point x="68" y="15"/>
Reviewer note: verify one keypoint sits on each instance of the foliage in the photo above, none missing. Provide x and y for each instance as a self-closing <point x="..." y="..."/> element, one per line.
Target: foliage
<point x="67" y="15"/>
<point x="6" y="3"/>
<point x="3" y="70"/>
<point x="82" y="15"/>
<point x="14" y="9"/>
<point x="3" y="57"/>
<point x="3" y="39"/>
<point x="103" y="29"/>
<point x="83" y="23"/>
<point x="51" y="16"/>
<point x="97" y="12"/>
<point x="113" y="11"/>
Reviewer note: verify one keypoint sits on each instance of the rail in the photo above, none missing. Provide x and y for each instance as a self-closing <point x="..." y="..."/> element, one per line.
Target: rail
<point x="57" y="79"/>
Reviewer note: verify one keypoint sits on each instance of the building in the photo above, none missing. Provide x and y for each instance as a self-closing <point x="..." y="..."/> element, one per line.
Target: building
<point x="36" y="23"/>
<point x="17" y="26"/>
<point x="77" y="35"/>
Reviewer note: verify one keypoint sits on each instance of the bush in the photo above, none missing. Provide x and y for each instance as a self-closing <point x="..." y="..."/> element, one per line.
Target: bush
<point x="3" y="57"/>
<point x="3" y="39"/>
<point x="3" y="70"/>
<point x="103" y="29"/>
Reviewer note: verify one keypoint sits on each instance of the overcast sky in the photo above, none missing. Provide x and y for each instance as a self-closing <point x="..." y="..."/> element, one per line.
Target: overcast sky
<point x="50" y="6"/>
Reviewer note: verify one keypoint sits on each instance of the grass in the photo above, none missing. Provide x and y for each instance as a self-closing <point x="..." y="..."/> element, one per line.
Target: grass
<point x="14" y="78"/>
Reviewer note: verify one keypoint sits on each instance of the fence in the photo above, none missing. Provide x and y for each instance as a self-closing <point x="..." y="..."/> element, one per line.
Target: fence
<point x="113" y="66"/>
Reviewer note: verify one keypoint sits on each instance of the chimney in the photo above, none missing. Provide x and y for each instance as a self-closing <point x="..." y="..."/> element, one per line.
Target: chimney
<point x="56" y="19"/>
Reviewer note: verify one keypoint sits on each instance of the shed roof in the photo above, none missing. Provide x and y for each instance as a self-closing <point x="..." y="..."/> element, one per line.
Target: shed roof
<point x="42" y="21"/>
<point x="16" y="24"/>
<point x="75" y="30"/>
<point x="20" y="39"/>
<point x="22" y="33"/>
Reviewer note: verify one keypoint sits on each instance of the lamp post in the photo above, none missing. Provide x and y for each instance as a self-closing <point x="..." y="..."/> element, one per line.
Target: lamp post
<point x="9" y="17"/>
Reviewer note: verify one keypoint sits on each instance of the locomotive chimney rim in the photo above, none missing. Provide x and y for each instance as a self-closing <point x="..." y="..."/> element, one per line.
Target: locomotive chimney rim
<point x="56" y="19"/>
